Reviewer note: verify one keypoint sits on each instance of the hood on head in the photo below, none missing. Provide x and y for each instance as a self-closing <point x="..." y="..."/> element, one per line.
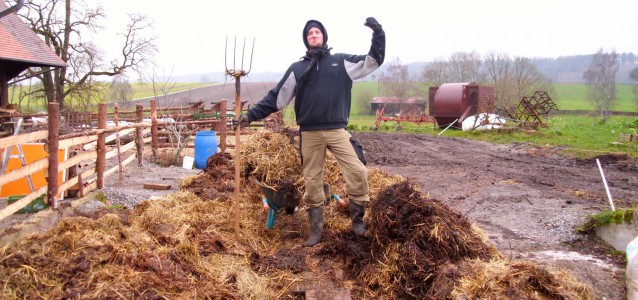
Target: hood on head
<point x="310" y="24"/>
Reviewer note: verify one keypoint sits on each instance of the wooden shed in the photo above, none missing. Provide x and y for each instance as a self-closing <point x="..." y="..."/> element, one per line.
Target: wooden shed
<point x="20" y="49"/>
<point x="395" y="105"/>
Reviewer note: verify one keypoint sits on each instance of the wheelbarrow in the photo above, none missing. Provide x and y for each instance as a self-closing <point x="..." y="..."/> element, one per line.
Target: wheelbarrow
<point x="274" y="200"/>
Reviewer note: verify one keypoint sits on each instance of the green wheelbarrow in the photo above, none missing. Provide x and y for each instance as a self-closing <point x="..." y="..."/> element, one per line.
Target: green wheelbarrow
<point x="274" y="200"/>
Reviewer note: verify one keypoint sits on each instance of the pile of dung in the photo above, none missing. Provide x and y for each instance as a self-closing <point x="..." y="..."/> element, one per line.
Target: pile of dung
<point x="412" y="239"/>
<point x="217" y="180"/>
<point x="178" y="247"/>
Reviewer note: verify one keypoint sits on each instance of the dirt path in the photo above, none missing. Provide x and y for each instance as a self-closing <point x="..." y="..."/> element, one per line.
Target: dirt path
<point x="527" y="200"/>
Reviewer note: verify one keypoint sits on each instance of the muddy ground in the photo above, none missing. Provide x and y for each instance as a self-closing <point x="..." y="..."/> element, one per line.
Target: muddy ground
<point x="528" y="200"/>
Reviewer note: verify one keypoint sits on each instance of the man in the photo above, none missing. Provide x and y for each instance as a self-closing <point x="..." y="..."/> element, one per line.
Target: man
<point x="321" y="85"/>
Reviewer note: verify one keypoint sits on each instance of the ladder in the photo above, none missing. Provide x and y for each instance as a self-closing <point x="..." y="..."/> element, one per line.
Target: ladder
<point x="6" y="155"/>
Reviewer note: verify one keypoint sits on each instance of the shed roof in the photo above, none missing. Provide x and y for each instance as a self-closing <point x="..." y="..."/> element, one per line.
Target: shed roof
<point x="21" y="47"/>
<point x="410" y="100"/>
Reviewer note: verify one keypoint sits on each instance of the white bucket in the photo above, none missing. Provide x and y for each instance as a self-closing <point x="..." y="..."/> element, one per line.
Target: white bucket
<point x="188" y="162"/>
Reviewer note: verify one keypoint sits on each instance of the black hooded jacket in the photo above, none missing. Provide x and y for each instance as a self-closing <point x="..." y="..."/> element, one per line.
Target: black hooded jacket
<point x="323" y="98"/>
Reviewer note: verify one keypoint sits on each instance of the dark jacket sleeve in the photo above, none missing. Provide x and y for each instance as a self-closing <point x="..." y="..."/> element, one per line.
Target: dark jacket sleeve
<point x="276" y="99"/>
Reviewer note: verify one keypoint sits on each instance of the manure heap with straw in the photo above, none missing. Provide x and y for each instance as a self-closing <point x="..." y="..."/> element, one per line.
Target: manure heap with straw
<point x="183" y="246"/>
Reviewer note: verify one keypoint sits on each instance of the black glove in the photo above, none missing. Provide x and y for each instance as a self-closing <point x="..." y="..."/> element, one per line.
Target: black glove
<point x="372" y="23"/>
<point x="243" y="120"/>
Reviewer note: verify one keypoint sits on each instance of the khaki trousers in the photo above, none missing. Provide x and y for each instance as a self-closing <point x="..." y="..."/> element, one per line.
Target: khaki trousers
<point x="313" y="151"/>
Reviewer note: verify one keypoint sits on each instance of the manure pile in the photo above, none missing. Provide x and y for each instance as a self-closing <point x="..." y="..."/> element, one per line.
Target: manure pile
<point x="183" y="246"/>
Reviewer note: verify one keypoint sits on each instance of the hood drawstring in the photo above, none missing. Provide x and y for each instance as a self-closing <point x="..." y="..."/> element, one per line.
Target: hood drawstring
<point x="315" y="54"/>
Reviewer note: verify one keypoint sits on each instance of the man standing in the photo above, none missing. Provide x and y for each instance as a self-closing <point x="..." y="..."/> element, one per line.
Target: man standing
<point x="321" y="84"/>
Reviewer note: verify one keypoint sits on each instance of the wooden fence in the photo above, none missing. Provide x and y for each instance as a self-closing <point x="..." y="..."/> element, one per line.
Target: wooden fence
<point x="87" y="165"/>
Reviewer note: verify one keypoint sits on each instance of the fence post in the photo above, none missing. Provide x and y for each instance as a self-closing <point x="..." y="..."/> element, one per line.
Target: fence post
<point x="139" y="139"/>
<point x="154" y="140"/>
<point x="53" y="145"/>
<point x="221" y="128"/>
<point x="101" y="146"/>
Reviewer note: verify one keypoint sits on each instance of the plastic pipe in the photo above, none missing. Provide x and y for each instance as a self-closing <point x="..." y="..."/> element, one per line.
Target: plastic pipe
<point x="611" y="201"/>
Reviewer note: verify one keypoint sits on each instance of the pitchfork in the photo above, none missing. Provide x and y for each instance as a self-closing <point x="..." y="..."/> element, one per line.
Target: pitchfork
<point x="237" y="74"/>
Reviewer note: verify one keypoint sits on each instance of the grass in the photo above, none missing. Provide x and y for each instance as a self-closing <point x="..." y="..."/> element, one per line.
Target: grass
<point x="579" y="136"/>
<point x="574" y="97"/>
<point x="140" y="90"/>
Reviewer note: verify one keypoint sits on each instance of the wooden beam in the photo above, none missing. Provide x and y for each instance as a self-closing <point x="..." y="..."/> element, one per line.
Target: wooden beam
<point x="73" y="182"/>
<point x="123" y="149"/>
<point x="101" y="146"/>
<point x="76" y="160"/>
<point x="157" y="186"/>
<point x="27" y="170"/>
<point x="124" y="163"/>
<point x="53" y="143"/>
<point x="77" y="141"/>
<point x="89" y="187"/>
<point x="23" y="138"/>
<point x="18" y="205"/>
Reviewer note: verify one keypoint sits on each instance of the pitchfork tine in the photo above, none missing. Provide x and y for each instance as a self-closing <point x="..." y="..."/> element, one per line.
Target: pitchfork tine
<point x="243" y="51"/>
<point x="251" y="57"/>
<point x="235" y="55"/>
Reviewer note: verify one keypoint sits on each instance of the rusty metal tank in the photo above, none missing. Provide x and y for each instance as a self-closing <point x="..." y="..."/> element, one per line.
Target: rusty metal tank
<point x="451" y="103"/>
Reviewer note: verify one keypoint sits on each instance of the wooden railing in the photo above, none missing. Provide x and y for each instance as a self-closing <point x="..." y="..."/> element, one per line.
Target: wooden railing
<point x="89" y="149"/>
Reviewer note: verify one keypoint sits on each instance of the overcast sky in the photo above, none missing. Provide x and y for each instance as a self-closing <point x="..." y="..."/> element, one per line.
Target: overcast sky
<point x="191" y="34"/>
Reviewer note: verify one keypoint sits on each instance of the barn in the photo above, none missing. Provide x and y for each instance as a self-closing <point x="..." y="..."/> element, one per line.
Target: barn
<point x="397" y="105"/>
<point x="21" y="49"/>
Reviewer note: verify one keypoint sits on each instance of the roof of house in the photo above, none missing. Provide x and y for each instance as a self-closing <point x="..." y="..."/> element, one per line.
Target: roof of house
<point x="410" y="100"/>
<point x="21" y="47"/>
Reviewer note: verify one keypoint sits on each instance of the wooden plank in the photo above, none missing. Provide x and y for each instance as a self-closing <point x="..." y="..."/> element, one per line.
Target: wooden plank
<point x="157" y="186"/>
<point x="23" y="138"/>
<point x="77" y="159"/>
<point x="73" y="181"/>
<point x="90" y="187"/>
<point x="18" y="205"/>
<point x="29" y="169"/>
<point x="77" y="141"/>
<point x="124" y="163"/>
<point x="123" y="149"/>
<point x="6" y="110"/>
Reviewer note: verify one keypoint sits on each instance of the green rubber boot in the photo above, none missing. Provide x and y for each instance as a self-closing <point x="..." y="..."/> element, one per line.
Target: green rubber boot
<point x="316" y="226"/>
<point x="356" y="214"/>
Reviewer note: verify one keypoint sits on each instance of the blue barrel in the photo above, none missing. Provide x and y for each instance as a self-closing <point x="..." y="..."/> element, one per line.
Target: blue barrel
<point x="205" y="147"/>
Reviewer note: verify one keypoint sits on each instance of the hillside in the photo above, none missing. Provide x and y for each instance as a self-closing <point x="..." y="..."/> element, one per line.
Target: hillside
<point x="564" y="69"/>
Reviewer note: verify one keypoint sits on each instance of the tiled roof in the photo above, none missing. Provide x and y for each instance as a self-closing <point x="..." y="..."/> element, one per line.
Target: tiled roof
<point x="19" y="44"/>
<point x="410" y="100"/>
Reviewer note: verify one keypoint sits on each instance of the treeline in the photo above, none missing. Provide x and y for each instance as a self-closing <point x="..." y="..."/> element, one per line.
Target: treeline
<point x="570" y="69"/>
<point x="563" y="69"/>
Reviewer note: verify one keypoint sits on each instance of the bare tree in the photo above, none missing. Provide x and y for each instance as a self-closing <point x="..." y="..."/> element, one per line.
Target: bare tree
<point x="498" y="70"/>
<point x="634" y="76"/>
<point x="436" y="72"/>
<point x="526" y="77"/>
<point x="397" y="82"/>
<point x="513" y="78"/>
<point x="120" y="89"/>
<point x="601" y="81"/>
<point x="464" y="66"/>
<point x="61" y="23"/>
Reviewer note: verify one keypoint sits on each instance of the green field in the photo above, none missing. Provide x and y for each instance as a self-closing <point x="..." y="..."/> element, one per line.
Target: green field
<point x="140" y="90"/>
<point x="566" y="97"/>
